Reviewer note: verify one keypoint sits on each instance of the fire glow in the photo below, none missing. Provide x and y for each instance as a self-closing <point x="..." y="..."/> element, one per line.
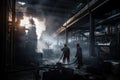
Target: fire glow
<point x="40" y="25"/>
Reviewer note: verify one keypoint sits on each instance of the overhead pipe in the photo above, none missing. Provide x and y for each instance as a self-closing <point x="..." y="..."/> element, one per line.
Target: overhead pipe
<point x="81" y="14"/>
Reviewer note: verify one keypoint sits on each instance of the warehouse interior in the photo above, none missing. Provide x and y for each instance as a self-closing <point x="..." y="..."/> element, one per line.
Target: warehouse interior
<point x="34" y="31"/>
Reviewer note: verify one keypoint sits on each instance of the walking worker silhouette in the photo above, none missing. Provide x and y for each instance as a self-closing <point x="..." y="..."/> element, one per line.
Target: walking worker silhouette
<point x="66" y="53"/>
<point x="78" y="56"/>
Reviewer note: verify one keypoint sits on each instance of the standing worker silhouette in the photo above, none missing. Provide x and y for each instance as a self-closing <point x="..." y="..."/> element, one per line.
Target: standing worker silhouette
<point x="78" y="56"/>
<point x="66" y="53"/>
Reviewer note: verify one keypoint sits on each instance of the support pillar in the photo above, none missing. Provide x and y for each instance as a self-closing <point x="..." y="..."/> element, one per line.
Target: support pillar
<point x="3" y="37"/>
<point x="92" y="36"/>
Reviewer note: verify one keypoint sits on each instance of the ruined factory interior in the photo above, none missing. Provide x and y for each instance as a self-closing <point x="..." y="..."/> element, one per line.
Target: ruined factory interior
<point x="60" y="39"/>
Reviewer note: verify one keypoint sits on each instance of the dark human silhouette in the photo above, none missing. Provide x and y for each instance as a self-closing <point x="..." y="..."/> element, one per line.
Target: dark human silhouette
<point x="66" y="53"/>
<point x="78" y="56"/>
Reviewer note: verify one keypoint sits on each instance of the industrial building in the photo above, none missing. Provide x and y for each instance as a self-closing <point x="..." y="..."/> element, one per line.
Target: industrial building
<point x="34" y="31"/>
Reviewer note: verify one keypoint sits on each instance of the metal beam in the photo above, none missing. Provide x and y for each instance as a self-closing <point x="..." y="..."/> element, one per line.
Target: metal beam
<point x="113" y="17"/>
<point x="81" y="14"/>
<point x="3" y="36"/>
<point x="92" y="35"/>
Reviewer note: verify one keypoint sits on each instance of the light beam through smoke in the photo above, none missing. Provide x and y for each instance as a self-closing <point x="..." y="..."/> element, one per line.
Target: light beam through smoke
<point x="40" y="27"/>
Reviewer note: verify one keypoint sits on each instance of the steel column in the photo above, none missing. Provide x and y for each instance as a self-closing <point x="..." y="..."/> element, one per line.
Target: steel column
<point x="91" y="35"/>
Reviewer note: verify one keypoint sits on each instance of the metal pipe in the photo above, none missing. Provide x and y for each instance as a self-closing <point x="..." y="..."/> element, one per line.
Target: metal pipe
<point x="92" y="35"/>
<point x="12" y="4"/>
<point x="79" y="15"/>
